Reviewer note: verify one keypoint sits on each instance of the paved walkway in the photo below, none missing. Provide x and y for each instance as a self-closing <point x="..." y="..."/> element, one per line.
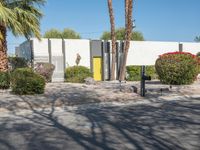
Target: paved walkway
<point x="168" y="122"/>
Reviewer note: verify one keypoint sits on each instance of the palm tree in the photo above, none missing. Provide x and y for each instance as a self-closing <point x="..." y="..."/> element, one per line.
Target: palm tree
<point x="113" y="37"/>
<point x="128" y="32"/>
<point x="197" y="39"/>
<point x="21" y="17"/>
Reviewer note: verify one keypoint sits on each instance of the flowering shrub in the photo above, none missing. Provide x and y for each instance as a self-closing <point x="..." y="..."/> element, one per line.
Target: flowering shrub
<point x="45" y="70"/>
<point x="177" y="68"/>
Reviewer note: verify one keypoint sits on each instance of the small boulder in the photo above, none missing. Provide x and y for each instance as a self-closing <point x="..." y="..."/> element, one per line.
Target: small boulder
<point x="90" y="81"/>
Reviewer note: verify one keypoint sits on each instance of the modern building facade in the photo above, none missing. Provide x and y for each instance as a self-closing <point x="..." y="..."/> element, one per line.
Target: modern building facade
<point x="96" y="54"/>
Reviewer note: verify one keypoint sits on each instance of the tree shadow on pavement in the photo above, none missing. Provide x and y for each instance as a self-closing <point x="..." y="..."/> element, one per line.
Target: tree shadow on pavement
<point x="162" y="125"/>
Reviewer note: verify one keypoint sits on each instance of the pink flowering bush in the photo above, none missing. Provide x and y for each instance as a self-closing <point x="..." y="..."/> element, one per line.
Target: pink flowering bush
<point x="45" y="70"/>
<point x="177" y="68"/>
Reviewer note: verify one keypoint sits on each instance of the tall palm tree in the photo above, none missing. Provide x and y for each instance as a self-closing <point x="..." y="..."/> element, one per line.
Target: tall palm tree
<point x="197" y="39"/>
<point x="128" y="32"/>
<point x="113" y="37"/>
<point x="21" y="17"/>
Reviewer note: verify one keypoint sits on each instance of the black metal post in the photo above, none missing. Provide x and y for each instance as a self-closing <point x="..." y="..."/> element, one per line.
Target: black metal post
<point x="142" y="89"/>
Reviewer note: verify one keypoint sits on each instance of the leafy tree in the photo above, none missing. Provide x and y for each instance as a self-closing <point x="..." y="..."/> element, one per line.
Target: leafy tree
<point x="66" y="34"/>
<point x="120" y="35"/>
<point x="53" y="33"/>
<point x="197" y="39"/>
<point x="21" y="17"/>
<point x="70" y="34"/>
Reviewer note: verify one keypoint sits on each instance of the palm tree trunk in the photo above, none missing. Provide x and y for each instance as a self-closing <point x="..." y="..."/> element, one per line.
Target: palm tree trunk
<point x="129" y="27"/>
<point x="112" y="23"/>
<point x="3" y="50"/>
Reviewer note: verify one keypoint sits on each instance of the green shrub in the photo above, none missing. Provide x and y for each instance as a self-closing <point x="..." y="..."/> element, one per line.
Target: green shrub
<point x="177" y="68"/>
<point x="4" y="80"/>
<point x="25" y="81"/>
<point x="134" y="72"/>
<point x="77" y="74"/>
<point x="17" y="62"/>
<point x="45" y="70"/>
<point x="198" y="54"/>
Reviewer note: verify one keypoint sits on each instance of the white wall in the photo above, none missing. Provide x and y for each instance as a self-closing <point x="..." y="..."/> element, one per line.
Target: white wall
<point x="57" y="59"/>
<point x="40" y="50"/>
<point x="146" y="52"/>
<point x="193" y="48"/>
<point x="82" y="47"/>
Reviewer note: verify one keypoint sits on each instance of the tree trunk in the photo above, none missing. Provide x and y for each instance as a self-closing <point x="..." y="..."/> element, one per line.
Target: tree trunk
<point x="112" y="23"/>
<point x="129" y="27"/>
<point x="3" y="50"/>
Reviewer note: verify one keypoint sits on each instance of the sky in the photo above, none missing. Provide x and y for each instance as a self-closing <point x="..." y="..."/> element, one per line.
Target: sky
<point x="158" y="20"/>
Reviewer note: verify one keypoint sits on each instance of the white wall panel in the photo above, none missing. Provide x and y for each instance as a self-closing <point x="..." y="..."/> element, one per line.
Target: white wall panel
<point x="82" y="47"/>
<point x="146" y="52"/>
<point x="40" y="47"/>
<point x="193" y="48"/>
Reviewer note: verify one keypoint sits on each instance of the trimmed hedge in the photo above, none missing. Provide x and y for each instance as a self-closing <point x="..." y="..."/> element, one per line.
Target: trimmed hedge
<point x="45" y="70"/>
<point x="134" y="72"/>
<point x="17" y="62"/>
<point x="4" y="80"/>
<point x="24" y="81"/>
<point x="177" y="68"/>
<point x="77" y="74"/>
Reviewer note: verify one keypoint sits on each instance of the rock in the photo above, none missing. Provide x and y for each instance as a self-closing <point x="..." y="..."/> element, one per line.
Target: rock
<point x="90" y="81"/>
<point x="128" y="89"/>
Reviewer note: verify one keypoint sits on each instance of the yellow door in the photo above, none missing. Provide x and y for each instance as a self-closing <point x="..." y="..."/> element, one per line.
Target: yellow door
<point x="97" y="68"/>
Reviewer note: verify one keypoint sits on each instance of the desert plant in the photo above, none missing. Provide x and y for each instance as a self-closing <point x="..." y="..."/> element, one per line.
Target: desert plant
<point x="25" y="81"/>
<point x="45" y="70"/>
<point x="198" y="54"/>
<point x="4" y="80"/>
<point x="77" y="74"/>
<point x="134" y="72"/>
<point x="17" y="62"/>
<point x="177" y="68"/>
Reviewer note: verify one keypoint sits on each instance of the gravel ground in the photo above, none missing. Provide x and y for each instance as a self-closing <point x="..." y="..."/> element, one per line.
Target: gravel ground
<point x="67" y="94"/>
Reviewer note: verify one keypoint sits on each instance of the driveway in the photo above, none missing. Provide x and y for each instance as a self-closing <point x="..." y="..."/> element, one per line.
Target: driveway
<point x="170" y="125"/>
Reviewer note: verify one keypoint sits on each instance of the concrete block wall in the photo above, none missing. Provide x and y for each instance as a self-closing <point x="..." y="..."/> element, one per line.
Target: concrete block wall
<point x="74" y="47"/>
<point x="62" y="53"/>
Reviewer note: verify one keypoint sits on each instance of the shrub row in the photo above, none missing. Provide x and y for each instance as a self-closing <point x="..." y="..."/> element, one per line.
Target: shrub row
<point x="17" y="62"/>
<point x="22" y="81"/>
<point x="4" y="80"/>
<point x="134" y="72"/>
<point x="77" y="74"/>
<point x="25" y="81"/>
